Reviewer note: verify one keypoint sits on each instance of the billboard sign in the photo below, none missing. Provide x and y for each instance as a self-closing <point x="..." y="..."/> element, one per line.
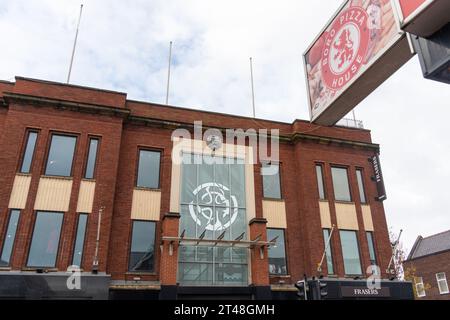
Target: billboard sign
<point x="363" y="36"/>
<point x="423" y="17"/>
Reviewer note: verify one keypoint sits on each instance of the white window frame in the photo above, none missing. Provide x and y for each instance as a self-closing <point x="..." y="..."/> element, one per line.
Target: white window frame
<point x="444" y="279"/>
<point x="419" y="283"/>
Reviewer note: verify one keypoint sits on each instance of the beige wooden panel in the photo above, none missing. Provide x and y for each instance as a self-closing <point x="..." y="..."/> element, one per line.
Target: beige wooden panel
<point x="346" y="216"/>
<point x="175" y="185"/>
<point x="367" y="217"/>
<point x="19" y="192"/>
<point x="325" y="217"/>
<point x="275" y="213"/>
<point x="146" y="205"/>
<point x="53" y="194"/>
<point x="86" y="196"/>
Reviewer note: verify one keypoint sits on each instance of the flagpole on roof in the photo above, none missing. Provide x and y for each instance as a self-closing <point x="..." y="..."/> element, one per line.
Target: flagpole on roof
<point x="253" y="89"/>
<point x="74" y="44"/>
<point x="168" y="73"/>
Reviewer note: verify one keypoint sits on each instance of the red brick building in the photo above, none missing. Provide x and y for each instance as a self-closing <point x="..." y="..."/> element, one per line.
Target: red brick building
<point x="75" y="156"/>
<point x="429" y="263"/>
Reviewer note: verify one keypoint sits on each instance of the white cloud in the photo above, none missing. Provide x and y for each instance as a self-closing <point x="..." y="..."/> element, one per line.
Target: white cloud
<point x="124" y="46"/>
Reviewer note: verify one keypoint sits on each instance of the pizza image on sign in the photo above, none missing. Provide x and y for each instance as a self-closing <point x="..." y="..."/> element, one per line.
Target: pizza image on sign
<point x="359" y="34"/>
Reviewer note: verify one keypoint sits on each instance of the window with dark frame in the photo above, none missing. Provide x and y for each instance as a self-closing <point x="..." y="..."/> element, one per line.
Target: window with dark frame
<point x="328" y="251"/>
<point x="142" y="250"/>
<point x="320" y="182"/>
<point x="91" y="158"/>
<point x="341" y="186"/>
<point x="350" y="252"/>
<point x="28" y="152"/>
<point x="148" y="169"/>
<point x="362" y="193"/>
<point x="371" y="244"/>
<point x="45" y="240"/>
<point x="271" y="180"/>
<point x="10" y="236"/>
<point x="60" y="155"/>
<point x="277" y="253"/>
<point x="79" y="240"/>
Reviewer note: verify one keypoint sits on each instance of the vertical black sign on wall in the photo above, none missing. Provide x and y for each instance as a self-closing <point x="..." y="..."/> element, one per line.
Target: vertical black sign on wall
<point x="378" y="177"/>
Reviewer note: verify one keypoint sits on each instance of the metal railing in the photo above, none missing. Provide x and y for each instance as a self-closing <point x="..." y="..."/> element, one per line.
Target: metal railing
<point x="351" y="123"/>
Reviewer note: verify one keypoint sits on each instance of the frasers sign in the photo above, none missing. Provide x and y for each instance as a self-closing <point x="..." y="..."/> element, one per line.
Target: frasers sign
<point x="378" y="177"/>
<point x="357" y="51"/>
<point x="423" y="17"/>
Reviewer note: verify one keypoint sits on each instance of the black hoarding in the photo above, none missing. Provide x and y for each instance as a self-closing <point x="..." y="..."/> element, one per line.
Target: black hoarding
<point x="434" y="55"/>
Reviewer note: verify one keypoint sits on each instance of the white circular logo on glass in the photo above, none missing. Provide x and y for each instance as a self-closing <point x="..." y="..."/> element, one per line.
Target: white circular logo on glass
<point x="218" y="209"/>
<point x="344" y="48"/>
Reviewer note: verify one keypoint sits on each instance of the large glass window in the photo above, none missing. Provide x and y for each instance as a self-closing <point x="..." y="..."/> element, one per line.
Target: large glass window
<point x="142" y="252"/>
<point x="8" y="241"/>
<point x="341" y="186"/>
<point x="91" y="159"/>
<point x="212" y="207"/>
<point x="45" y="241"/>
<point x="328" y="251"/>
<point x="359" y="178"/>
<point x="350" y="252"/>
<point x="29" y="152"/>
<point x="442" y="283"/>
<point x="277" y="253"/>
<point x="60" y="156"/>
<point x="371" y="244"/>
<point x="320" y="184"/>
<point x="271" y="181"/>
<point x="79" y="240"/>
<point x="148" y="169"/>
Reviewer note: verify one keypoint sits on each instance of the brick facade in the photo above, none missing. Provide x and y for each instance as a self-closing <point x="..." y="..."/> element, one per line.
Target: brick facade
<point x="427" y="267"/>
<point x="124" y="126"/>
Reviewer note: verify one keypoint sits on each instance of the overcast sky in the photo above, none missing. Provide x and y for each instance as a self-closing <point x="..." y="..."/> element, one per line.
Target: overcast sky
<point x="123" y="45"/>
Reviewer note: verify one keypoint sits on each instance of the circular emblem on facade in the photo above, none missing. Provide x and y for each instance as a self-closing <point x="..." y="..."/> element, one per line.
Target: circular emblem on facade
<point x="345" y="47"/>
<point x="214" y="142"/>
<point x="218" y="209"/>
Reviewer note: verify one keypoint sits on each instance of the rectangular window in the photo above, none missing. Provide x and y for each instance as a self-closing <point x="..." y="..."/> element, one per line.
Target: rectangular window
<point x="420" y="288"/>
<point x="79" y="240"/>
<point x="271" y="181"/>
<point x="320" y="184"/>
<point x="341" y="186"/>
<point x="142" y="253"/>
<point x="350" y="252"/>
<point x="371" y="244"/>
<point x="45" y="241"/>
<point x="277" y="253"/>
<point x="91" y="158"/>
<point x="60" y="156"/>
<point x="329" y="251"/>
<point x="28" y="152"/>
<point x="442" y="283"/>
<point x="10" y="236"/>
<point x="362" y="194"/>
<point x="148" y="169"/>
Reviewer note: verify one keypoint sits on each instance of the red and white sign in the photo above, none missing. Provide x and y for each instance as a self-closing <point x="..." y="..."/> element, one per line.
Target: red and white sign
<point x="345" y="47"/>
<point x="423" y="17"/>
<point x="409" y="6"/>
<point x="360" y="34"/>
